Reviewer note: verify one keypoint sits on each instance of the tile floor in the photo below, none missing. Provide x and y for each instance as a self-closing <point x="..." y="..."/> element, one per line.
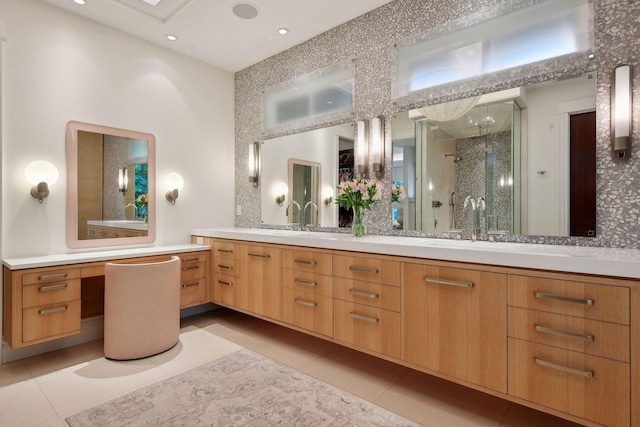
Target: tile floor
<point x="43" y="390"/>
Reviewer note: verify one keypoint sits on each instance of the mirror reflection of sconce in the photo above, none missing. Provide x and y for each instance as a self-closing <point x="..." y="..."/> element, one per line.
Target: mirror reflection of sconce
<point x="41" y="175"/>
<point x="282" y="190"/>
<point x="621" y="112"/>
<point x="377" y="147"/>
<point x="174" y="184"/>
<point x="254" y="163"/>
<point x="327" y="195"/>
<point x="362" y="145"/>
<point x="123" y="180"/>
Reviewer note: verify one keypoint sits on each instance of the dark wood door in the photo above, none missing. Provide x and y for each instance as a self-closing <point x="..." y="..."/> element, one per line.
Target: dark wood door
<point x="582" y="173"/>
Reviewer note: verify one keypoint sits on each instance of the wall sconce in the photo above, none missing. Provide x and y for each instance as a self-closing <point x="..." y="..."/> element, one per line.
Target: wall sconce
<point x="282" y="190"/>
<point x="377" y="147"/>
<point x="621" y="112"/>
<point x="254" y="163"/>
<point x="41" y="175"/>
<point x="174" y="183"/>
<point x="362" y="144"/>
<point x="123" y="180"/>
<point x="327" y="195"/>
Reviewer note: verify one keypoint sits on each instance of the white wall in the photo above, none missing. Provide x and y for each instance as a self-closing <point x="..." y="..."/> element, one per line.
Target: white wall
<point x="59" y="67"/>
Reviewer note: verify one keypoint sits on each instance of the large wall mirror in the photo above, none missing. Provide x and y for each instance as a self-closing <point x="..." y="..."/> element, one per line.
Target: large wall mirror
<point x="309" y="166"/>
<point x="528" y="153"/>
<point x="110" y="186"/>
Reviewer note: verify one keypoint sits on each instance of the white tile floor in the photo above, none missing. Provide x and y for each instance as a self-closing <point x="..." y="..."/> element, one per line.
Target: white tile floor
<point x="44" y="390"/>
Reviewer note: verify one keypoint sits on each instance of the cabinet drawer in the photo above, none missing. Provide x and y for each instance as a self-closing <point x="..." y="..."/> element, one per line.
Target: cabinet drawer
<point x="610" y="340"/>
<point x="193" y="292"/>
<point x="307" y="261"/>
<point x="226" y="266"/>
<point x="50" y="293"/>
<point x="369" y="327"/>
<point x="367" y="293"/>
<point x="588" y="300"/>
<point x="50" y="320"/>
<point x="582" y="385"/>
<point x="308" y="310"/>
<point x="226" y="250"/>
<point x="224" y="290"/>
<point x="308" y="282"/>
<point x="193" y="266"/>
<point x="367" y="269"/>
<point x="47" y="276"/>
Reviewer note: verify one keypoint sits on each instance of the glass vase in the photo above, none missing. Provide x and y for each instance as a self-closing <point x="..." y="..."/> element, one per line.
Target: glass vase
<point x="357" y="226"/>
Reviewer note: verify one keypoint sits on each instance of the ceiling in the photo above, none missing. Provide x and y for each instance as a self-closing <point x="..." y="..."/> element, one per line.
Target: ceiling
<point x="208" y="30"/>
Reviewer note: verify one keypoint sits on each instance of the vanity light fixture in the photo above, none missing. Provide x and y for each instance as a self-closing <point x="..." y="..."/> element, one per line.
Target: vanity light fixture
<point x="174" y="184"/>
<point x="41" y="175"/>
<point x="327" y="195"/>
<point x="621" y="112"/>
<point x="282" y="189"/>
<point x="377" y="147"/>
<point x="254" y="163"/>
<point x="123" y="180"/>
<point x="362" y="143"/>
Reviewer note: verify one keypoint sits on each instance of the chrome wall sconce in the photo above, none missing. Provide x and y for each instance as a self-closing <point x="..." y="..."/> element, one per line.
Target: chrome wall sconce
<point x="327" y="195"/>
<point x="123" y="180"/>
<point x="621" y="112"/>
<point x="41" y="175"/>
<point x="282" y="190"/>
<point x="376" y="150"/>
<point x="174" y="184"/>
<point x="254" y="163"/>
<point x="362" y="146"/>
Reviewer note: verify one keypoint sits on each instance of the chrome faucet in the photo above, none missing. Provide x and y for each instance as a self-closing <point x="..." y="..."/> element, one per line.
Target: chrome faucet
<point x="306" y="205"/>
<point x="286" y="212"/>
<point x="135" y="211"/>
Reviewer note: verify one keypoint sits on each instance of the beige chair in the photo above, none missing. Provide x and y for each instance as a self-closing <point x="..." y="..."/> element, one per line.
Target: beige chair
<point x="141" y="308"/>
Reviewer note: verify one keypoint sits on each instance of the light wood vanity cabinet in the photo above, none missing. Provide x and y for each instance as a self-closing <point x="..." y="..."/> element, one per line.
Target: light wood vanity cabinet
<point x="261" y="273"/>
<point x="193" y="279"/>
<point x="225" y="284"/>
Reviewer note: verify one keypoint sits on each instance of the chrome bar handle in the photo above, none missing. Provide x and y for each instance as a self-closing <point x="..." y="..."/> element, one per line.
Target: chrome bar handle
<point x="448" y="282"/>
<point x="222" y="282"/>
<point x="53" y="310"/>
<point x="304" y="282"/>
<point x="226" y="251"/>
<point x="361" y="317"/>
<point x="228" y="267"/>
<point x="192" y="267"/>
<point x="188" y="285"/>
<point x="363" y="294"/>
<point x="304" y="261"/>
<point x="588" y="374"/>
<point x="260" y="255"/>
<point x="190" y="260"/>
<point x="548" y="330"/>
<point x="53" y="276"/>
<point x="307" y="303"/>
<point x="53" y="287"/>
<point x="543" y="295"/>
<point x="363" y="269"/>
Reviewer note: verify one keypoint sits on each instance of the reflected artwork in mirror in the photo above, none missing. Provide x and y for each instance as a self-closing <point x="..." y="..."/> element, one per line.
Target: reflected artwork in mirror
<point x="110" y="186"/>
<point x="522" y="161"/>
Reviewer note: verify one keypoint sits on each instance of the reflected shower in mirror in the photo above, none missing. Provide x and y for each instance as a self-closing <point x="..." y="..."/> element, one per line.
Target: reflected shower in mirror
<point x="304" y="182"/>
<point x="525" y="155"/>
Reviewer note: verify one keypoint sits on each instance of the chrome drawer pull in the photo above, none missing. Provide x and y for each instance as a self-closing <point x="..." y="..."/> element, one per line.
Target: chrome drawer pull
<point x="542" y="295"/>
<point x="304" y="282"/>
<point x="193" y="267"/>
<point x="188" y="285"/>
<point x="225" y="283"/>
<point x="303" y="261"/>
<point x="363" y="269"/>
<point x="363" y="294"/>
<point x="53" y="310"/>
<point x="307" y="303"/>
<point x="588" y="374"/>
<point x="53" y="276"/>
<point x="190" y="260"/>
<point x="260" y="255"/>
<point x="53" y="287"/>
<point x="562" y="333"/>
<point x="448" y="282"/>
<point x="226" y="251"/>
<point x="228" y="267"/>
<point x="361" y="317"/>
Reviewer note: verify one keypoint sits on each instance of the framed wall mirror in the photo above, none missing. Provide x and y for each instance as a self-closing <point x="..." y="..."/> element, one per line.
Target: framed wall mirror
<point x="529" y="153"/>
<point x="110" y="186"/>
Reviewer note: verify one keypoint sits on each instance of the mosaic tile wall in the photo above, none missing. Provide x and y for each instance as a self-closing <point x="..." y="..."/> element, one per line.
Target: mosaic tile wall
<point x="369" y="41"/>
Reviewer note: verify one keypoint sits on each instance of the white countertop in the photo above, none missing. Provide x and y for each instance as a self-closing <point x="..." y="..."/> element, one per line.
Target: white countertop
<point x="127" y="224"/>
<point x="81" y="257"/>
<point x="576" y="259"/>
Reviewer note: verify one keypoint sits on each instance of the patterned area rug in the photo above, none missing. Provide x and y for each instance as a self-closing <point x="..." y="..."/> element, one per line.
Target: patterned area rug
<point x="241" y="389"/>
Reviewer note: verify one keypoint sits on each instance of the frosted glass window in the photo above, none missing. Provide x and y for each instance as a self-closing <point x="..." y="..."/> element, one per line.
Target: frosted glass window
<point x="309" y="97"/>
<point x="547" y="30"/>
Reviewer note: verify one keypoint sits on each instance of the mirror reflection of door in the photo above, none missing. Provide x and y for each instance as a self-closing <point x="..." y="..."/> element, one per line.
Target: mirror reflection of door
<point x="304" y="185"/>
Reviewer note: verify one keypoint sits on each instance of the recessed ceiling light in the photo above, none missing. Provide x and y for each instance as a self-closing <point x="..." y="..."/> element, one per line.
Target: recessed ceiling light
<point x="172" y="37"/>
<point x="283" y="31"/>
<point x="80" y="2"/>
<point x="245" y="11"/>
<point x="152" y="2"/>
